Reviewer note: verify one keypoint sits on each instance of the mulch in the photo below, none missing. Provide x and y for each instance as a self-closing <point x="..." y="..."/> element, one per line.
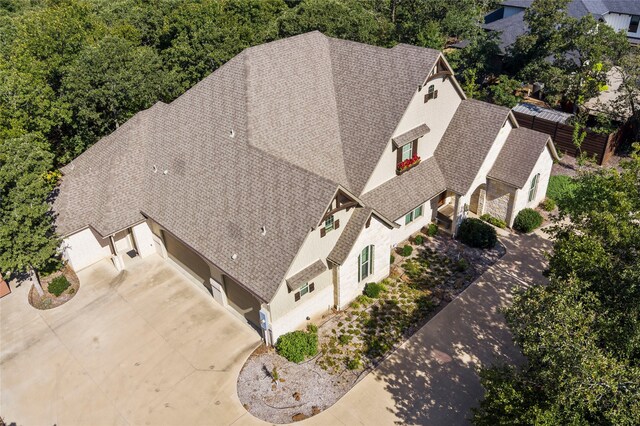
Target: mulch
<point x="49" y="300"/>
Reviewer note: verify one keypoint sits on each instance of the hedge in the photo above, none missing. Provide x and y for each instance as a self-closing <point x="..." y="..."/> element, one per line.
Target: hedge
<point x="527" y="220"/>
<point x="494" y="221"/>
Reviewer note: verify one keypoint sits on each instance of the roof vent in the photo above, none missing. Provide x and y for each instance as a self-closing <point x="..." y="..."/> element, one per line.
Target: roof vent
<point x="234" y="256"/>
<point x="232" y="134"/>
<point x="155" y="169"/>
<point x="166" y="172"/>
<point x="263" y="230"/>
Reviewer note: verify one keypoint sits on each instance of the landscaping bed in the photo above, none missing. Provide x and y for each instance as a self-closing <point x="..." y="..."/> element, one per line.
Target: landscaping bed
<point x="50" y="300"/>
<point x="353" y="341"/>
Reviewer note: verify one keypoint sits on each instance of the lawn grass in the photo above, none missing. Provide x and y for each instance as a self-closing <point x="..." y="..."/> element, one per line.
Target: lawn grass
<point x="559" y="187"/>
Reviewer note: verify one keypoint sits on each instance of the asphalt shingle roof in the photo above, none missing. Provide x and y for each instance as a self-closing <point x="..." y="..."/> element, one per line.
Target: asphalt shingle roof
<point x="306" y="275"/>
<point x="265" y="140"/>
<point x="466" y="142"/>
<point x="349" y="235"/>
<point x="518" y="156"/>
<point x="411" y="135"/>
<point x="403" y="193"/>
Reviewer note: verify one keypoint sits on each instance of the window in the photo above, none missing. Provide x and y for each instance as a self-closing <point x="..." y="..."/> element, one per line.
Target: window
<point x="304" y="289"/>
<point x="413" y="215"/>
<point x="534" y="187"/>
<point x="328" y="224"/>
<point x="633" y="25"/>
<point x="432" y="93"/>
<point x="407" y="152"/>
<point x="365" y="263"/>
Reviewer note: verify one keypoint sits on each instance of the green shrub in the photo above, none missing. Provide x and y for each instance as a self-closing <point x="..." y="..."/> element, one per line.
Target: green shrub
<point x="353" y="363"/>
<point x="312" y="328"/>
<point x="494" y="221"/>
<point x="560" y="186"/>
<point x="297" y="345"/>
<point x="58" y="285"/>
<point x="363" y="300"/>
<point x="475" y="233"/>
<point x="548" y="204"/>
<point x="432" y="230"/>
<point x="527" y="220"/>
<point x="392" y="259"/>
<point x="462" y="265"/>
<point x="344" y="339"/>
<point x="407" y="250"/>
<point x="418" y="239"/>
<point x="373" y="290"/>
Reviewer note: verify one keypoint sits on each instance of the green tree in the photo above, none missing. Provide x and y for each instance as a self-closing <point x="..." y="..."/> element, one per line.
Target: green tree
<point x="580" y="333"/>
<point x="505" y="92"/>
<point x="27" y="240"/>
<point x="625" y="107"/>
<point x="104" y="86"/>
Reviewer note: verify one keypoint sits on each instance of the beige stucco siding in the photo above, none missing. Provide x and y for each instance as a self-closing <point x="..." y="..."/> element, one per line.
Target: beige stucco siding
<point x="287" y="314"/>
<point x="378" y="235"/>
<point x="85" y="248"/>
<point x="143" y="239"/>
<point x="543" y="166"/>
<point x="436" y="114"/>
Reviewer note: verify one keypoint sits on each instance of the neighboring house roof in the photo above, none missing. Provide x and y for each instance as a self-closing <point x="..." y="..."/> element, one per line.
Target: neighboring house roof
<point x="510" y="28"/>
<point x="540" y="112"/>
<point x="280" y="126"/>
<point x="468" y="139"/>
<point x="411" y="135"/>
<point x="349" y="235"/>
<point x="403" y="193"/>
<point x="306" y="275"/>
<point x="518" y="156"/>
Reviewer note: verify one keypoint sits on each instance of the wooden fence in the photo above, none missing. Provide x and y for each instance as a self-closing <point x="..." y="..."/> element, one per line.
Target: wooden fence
<point x="602" y="146"/>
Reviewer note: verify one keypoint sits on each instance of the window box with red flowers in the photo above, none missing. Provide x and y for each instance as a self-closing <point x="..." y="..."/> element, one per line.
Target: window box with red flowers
<point x="407" y="164"/>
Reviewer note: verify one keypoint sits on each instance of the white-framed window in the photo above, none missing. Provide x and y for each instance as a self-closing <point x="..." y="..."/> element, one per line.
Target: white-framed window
<point x="365" y="262"/>
<point x="634" y="23"/>
<point x="533" y="189"/>
<point x="413" y="215"/>
<point x="329" y="224"/>
<point x="407" y="151"/>
<point x="306" y="288"/>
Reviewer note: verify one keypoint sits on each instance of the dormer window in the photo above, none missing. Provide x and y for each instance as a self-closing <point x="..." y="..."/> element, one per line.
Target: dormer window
<point x="329" y="224"/>
<point x="407" y="152"/>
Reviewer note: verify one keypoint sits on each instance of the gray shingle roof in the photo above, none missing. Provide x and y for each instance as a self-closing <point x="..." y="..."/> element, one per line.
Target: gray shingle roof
<point x="467" y="140"/>
<point x="397" y="196"/>
<point x="518" y="156"/>
<point x="307" y="113"/>
<point x="411" y="135"/>
<point x="349" y="235"/>
<point x="306" y="275"/>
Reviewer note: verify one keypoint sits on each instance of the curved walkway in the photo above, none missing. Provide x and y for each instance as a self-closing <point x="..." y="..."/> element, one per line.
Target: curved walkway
<point x="432" y="379"/>
<point x="148" y="347"/>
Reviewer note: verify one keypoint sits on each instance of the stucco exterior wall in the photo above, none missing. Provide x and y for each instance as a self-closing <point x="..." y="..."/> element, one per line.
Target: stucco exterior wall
<point x="405" y="231"/>
<point x="85" y="248"/>
<point x="543" y="166"/>
<point x="143" y="239"/>
<point x="287" y="314"/>
<point x="436" y="113"/>
<point x="378" y="235"/>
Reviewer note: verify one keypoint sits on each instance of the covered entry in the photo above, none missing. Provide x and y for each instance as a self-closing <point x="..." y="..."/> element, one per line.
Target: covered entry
<point x="242" y="301"/>
<point x="187" y="260"/>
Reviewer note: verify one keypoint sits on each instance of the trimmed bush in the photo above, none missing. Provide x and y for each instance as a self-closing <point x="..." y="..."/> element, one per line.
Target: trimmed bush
<point x="297" y="345"/>
<point x="559" y="187"/>
<point x="548" y="204"/>
<point x="353" y="363"/>
<point x="494" y="221"/>
<point x="312" y="328"/>
<point x="462" y="265"/>
<point x="58" y="285"/>
<point x="373" y="290"/>
<point x="475" y="233"/>
<point x="432" y="230"/>
<point x="419" y="239"/>
<point x="527" y="220"/>
<point x="407" y="250"/>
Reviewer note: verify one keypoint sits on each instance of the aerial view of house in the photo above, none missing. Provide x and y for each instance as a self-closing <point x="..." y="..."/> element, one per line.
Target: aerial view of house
<point x="281" y="182"/>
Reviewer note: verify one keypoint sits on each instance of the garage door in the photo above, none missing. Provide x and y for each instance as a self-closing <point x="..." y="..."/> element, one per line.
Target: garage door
<point x="242" y="301"/>
<point x="187" y="259"/>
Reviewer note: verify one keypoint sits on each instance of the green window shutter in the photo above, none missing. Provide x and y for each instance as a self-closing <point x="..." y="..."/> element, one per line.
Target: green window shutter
<point x="359" y="267"/>
<point x="372" y="258"/>
<point x="418" y="212"/>
<point x="408" y="218"/>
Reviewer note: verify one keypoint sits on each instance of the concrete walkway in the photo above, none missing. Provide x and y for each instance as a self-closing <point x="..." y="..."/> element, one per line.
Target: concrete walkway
<point x="143" y="347"/>
<point x="432" y="379"/>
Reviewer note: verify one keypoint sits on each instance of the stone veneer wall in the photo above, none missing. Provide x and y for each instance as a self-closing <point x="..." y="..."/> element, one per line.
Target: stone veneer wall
<point x="499" y="199"/>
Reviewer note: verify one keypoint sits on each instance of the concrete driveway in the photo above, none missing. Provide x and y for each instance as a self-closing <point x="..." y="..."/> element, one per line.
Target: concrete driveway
<point x="142" y="347"/>
<point x="432" y="379"/>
